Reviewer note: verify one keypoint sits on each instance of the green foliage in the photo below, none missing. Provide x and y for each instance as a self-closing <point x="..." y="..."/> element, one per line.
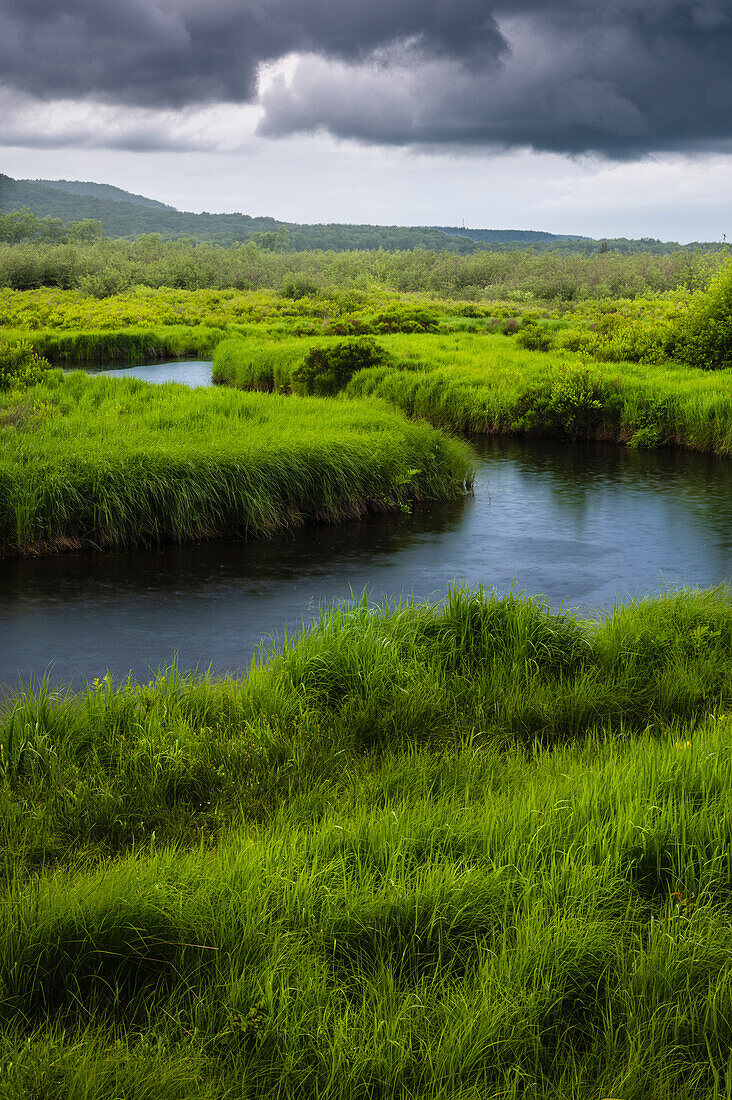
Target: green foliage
<point x="182" y="751"/>
<point x="125" y="463"/>
<point x="63" y="347"/>
<point x="474" y="849"/>
<point x="404" y="319"/>
<point x="298" y="286"/>
<point x="274" y="240"/>
<point x="20" y="366"/>
<point x="519" y="277"/>
<point x="256" y="365"/>
<point x="575" y="402"/>
<point x="706" y="334"/>
<point x="325" y="371"/>
<point x="24" y="225"/>
<point x="470" y="382"/>
<point x="534" y="337"/>
<point x="645" y="330"/>
<point x="103" y="284"/>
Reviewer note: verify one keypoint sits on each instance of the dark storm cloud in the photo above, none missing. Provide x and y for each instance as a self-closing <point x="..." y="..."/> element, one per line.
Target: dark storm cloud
<point x="621" y="77"/>
<point x="173" y="53"/>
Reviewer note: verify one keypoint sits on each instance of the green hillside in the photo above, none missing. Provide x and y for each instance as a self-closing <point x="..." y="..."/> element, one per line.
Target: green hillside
<point x="101" y="191"/>
<point x="124" y="215"/>
<point x="500" y="236"/>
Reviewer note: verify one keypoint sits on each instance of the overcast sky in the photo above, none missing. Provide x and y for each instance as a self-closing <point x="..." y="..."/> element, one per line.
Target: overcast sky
<point x="602" y="117"/>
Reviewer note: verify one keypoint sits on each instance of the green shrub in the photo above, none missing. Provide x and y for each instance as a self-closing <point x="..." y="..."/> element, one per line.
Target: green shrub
<point x="705" y="335"/>
<point x="534" y="337"/>
<point x="20" y="366"/>
<point x="406" y="319"/>
<point x="104" y="284"/>
<point x="327" y="370"/>
<point x="298" y="286"/>
<point x="401" y="317"/>
<point x="577" y="402"/>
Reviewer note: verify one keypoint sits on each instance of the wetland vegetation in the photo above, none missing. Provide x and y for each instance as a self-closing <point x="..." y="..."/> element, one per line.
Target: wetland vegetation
<point x="486" y="383"/>
<point x="476" y="848"/>
<point x="472" y="850"/>
<point x="92" y="461"/>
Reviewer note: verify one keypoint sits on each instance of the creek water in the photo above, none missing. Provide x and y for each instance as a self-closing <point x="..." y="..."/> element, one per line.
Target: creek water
<point x="582" y="524"/>
<point x="191" y="372"/>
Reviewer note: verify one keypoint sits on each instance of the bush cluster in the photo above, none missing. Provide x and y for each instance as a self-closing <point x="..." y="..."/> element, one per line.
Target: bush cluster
<point x="20" y="366"/>
<point x="534" y="337"/>
<point x="325" y="371"/>
<point x="576" y="402"/>
<point x="706" y="334"/>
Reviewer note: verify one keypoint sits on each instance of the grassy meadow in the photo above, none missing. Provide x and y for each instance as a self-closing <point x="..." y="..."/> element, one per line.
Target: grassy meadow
<point x="94" y="462"/>
<point x="471" y="850"/>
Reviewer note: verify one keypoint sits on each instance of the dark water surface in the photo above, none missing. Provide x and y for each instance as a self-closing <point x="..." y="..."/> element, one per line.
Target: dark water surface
<point x="583" y="524"/>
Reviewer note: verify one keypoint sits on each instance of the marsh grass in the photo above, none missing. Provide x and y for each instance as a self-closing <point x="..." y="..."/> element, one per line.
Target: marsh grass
<point x="105" y="462"/>
<point x="181" y="755"/>
<point x="486" y="384"/>
<point x="111" y="345"/>
<point x="466" y="906"/>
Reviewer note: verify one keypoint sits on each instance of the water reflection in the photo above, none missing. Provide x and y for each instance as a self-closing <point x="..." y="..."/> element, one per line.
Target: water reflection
<point x="190" y="372"/>
<point x="582" y="524"/>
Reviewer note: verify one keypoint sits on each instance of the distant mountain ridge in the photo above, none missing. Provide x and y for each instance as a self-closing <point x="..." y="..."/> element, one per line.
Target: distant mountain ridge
<point x="124" y="214"/>
<point x="528" y="236"/>
<point x="101" y="191"/>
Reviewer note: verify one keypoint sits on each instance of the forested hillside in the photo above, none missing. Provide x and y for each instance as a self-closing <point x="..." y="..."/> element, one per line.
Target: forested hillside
<point x="122" y="214"/>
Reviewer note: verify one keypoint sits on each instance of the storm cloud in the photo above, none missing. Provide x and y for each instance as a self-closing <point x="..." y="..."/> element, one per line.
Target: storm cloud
<point x="174" y="53"/>
<point x="622" y="78"/>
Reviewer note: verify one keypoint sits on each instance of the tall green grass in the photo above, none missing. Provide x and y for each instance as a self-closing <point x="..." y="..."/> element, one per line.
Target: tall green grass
<point x="478" y="669"/>
<point x="108" y="345"/>
<point x="101" y="462"/>
<point x="258" y="364"/>
<point x="383" y="882"/>
<point x="486" y="384"/>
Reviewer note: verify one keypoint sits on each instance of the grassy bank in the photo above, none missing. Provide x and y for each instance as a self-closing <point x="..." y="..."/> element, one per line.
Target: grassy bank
<point x="480" y="850"/>
<point x="60" y="347"/>
<point x="486" y="384"/>
<point x="108" y="462"/>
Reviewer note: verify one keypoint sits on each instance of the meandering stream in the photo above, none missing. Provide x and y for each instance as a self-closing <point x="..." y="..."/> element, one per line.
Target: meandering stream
<point x="583" y="524"/>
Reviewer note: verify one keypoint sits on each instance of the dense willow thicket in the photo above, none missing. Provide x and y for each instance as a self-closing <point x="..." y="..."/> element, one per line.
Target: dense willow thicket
<point x="104" y="267"/>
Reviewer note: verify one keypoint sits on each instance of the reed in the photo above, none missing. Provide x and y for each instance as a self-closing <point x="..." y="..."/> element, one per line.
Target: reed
<point x="117" y="462"/>
<point x="313" y="896"/>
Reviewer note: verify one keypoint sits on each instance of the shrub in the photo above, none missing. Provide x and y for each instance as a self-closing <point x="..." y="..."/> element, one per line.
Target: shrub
<point x="20" y="366"/>
<point x="577" y="402"/>
<point x="327" y="370"/>
<point x="705" y="335"/>
<point x="103" y="284"/>
<point x="534" y="337"/>
<point x="404" y="318"/>
<point x="298" y="286"/>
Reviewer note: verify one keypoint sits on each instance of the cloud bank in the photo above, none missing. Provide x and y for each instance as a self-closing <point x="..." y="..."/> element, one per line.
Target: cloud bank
<point x="621" y="79"/>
